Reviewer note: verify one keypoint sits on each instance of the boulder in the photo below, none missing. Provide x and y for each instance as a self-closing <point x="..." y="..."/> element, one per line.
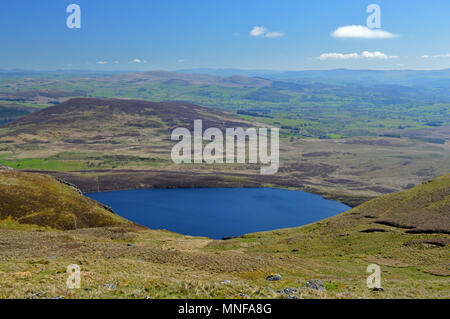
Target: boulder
<point x="274" y="277"/>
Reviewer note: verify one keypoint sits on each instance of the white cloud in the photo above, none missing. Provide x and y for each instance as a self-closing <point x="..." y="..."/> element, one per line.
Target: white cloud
<point x="363" y="55"/>
<point x="181" y="60"/>
<point x="338" y="56"/>
<point x="447" y="55"/>
<point x="116" y="62"/>
<point x="138" y="61"/>
<point x="361" y="32"/>
<point x="377" y="55"/>
<point x="260" y="31"/>
<point x="102" y="62"/>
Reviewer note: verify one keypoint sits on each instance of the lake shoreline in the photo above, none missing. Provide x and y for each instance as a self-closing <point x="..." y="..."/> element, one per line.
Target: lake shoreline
<point x="96" y="181"/>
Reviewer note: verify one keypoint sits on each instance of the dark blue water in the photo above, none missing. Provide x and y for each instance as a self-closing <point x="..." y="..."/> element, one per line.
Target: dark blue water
<point x="219" y="212"/>
<point x="5" y="122"/>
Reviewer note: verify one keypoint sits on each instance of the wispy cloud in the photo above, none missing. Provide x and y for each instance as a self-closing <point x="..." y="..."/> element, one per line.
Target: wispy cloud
<point x="361" y="32"/>
<point x="181" y="60"/>
<point x="260" y="31"/>
<point x="349" y="56"/>
<point x="447" y="55"/>
<point x="274" y="34"/>
<point x="102" y="62"/>
<point x="137" y="61"/>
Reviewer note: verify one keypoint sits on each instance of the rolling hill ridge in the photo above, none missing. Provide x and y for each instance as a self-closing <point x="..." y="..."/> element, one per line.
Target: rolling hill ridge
<point x="98" y="119"/>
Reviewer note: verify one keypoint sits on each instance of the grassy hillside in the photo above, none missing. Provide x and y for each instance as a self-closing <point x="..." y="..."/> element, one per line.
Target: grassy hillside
<point x="423" y="209"/>
<point x="41" y="200"/>
<point x="130" y="262"/>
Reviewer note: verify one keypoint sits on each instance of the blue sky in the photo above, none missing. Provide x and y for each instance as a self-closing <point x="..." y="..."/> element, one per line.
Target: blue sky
<point x="179" y="34"/>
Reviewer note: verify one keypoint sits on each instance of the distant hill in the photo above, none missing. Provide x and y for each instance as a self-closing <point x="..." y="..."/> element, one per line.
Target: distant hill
<point x="31" y="198"/>
<point x="113" y="121"/>
<point x="234" y="80"/>
<point x="230" y="72"/>
<point x="340" y="76"/>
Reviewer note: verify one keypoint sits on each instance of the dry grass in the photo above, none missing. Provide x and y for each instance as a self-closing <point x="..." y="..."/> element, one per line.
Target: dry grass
<point x="157" y="265"/>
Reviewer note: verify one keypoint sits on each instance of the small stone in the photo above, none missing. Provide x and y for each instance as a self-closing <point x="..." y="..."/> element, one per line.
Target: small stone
<point x="294" y="250"/>
<point x="110" y="286"/>
<point x="315" y="284"/>
<point x="52" y="257"/>
<point x="225" y="282"/>
<point x="130" y="245"/>
<point x="287" y="291"/>
<point x="377" y="289"/>
<point x="291" y="297"/>
<point x="274" y="277"/>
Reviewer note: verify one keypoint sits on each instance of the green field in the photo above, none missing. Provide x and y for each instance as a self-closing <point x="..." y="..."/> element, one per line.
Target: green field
<point x="72" y="161"/>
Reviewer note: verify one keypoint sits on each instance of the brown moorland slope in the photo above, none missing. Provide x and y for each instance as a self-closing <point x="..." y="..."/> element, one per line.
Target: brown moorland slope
<point x="88" y="115"/>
